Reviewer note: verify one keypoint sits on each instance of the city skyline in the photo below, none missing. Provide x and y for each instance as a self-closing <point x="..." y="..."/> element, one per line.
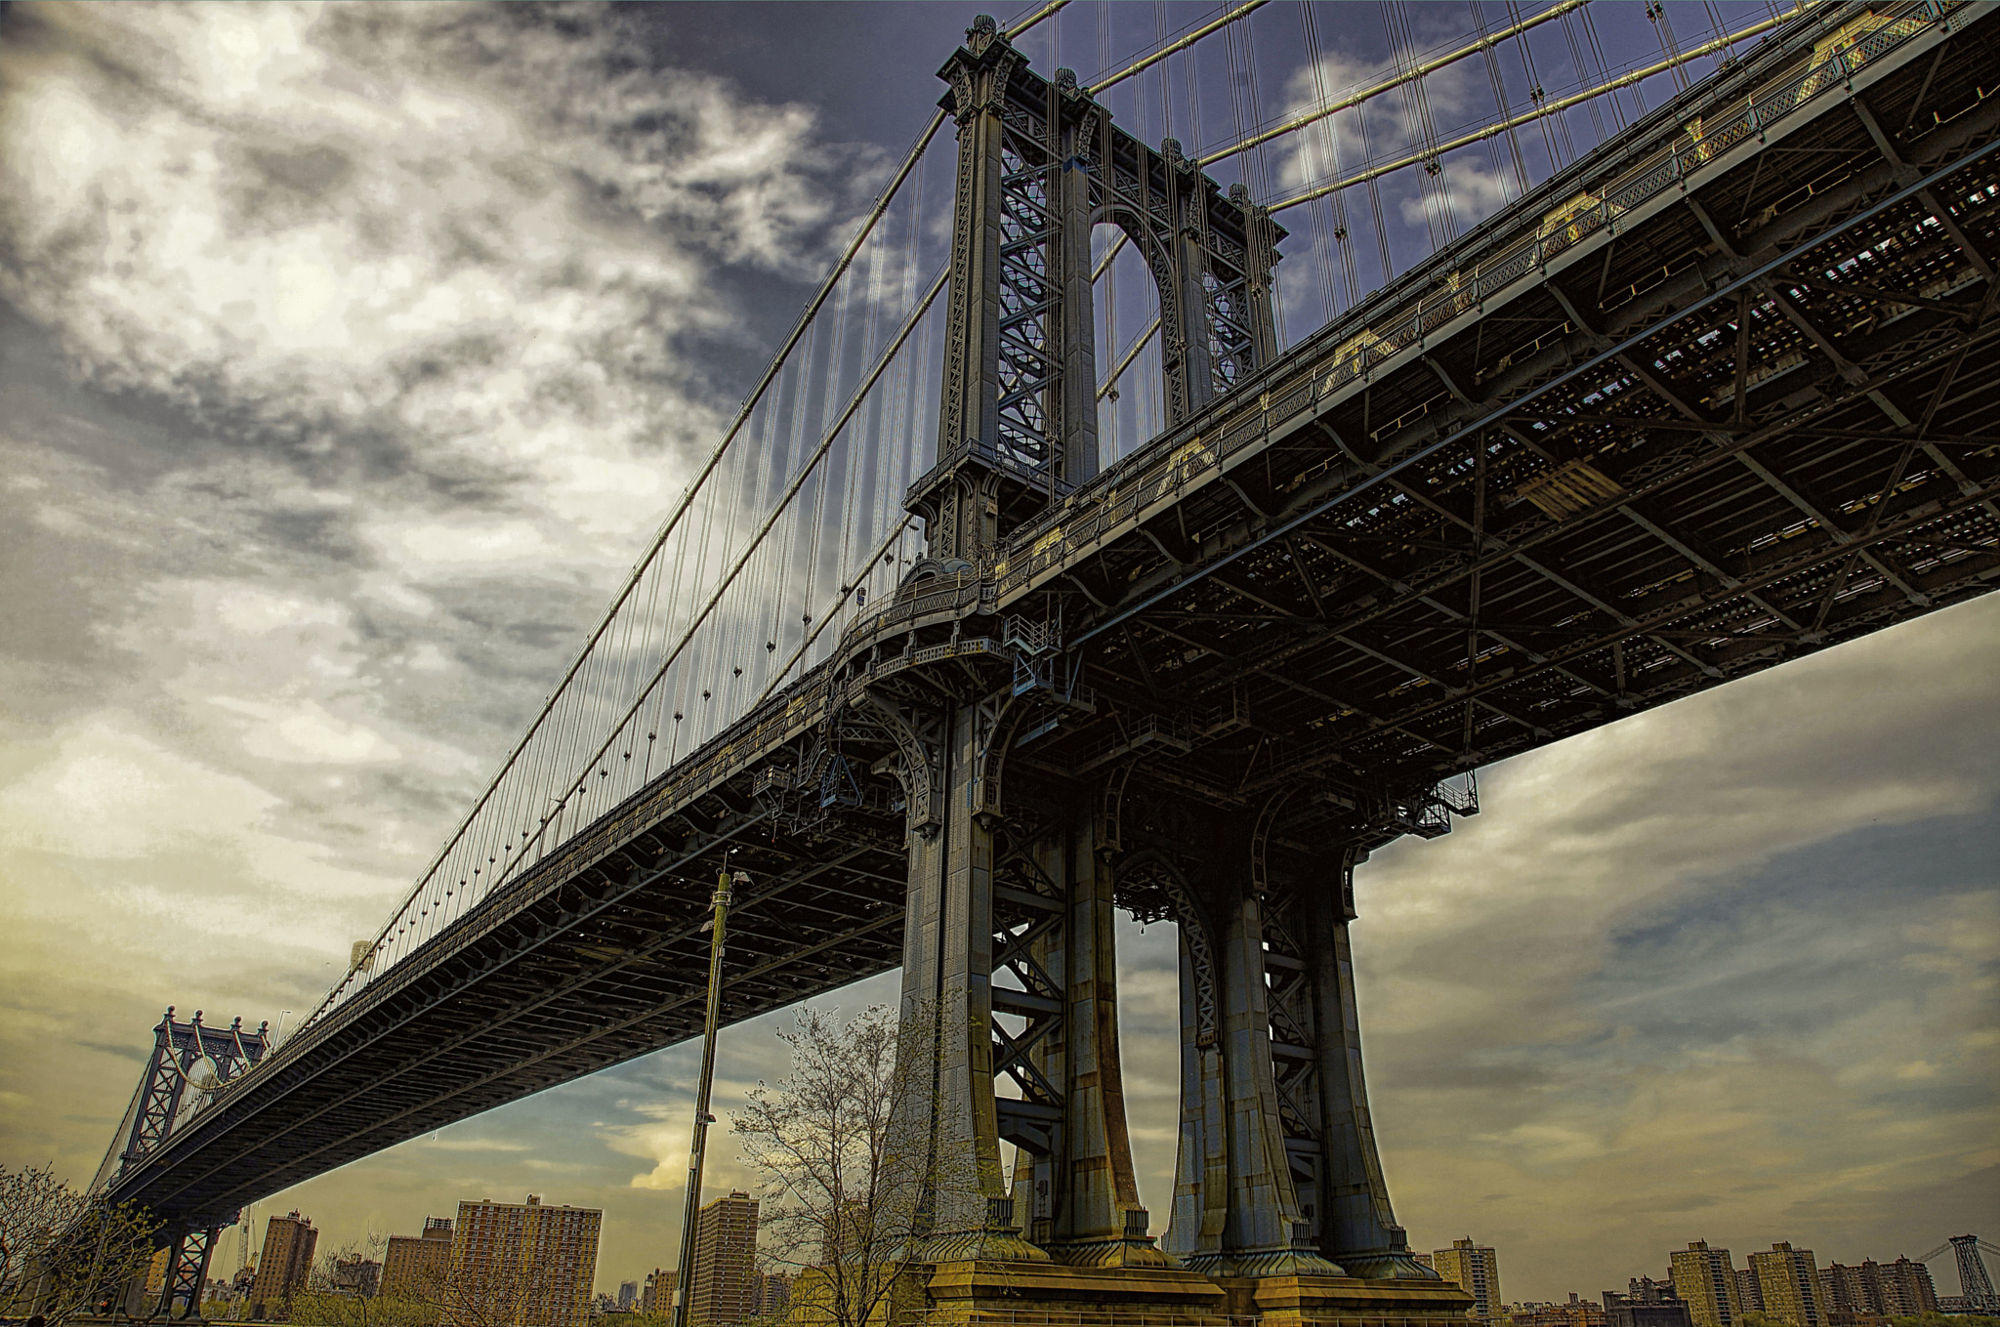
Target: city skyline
<point x="616" y="1278"/>
<point x="253" y="613"/>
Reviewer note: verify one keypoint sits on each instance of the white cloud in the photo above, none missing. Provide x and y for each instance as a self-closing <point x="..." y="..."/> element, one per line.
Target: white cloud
<point x="428" y="225"/>
<point x="104" y="791"/>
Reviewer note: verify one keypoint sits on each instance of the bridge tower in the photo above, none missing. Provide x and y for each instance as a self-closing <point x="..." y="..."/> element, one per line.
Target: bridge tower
<point x="1973" y="1282"/>
<point x="1040" y="167"/>
<point x="1009" y="968"/>
<point x="179" y="1050"/>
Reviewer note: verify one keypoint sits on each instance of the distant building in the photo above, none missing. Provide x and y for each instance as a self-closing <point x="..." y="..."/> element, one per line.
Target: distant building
<point x="1849" y="1295"/>
<point x="156" y="1274"/>
<point x="1788" y="1282"/>
<point x="1647" y="1303"/>
<point x="1841" y="1294"/>
<point x="356" y="1275"/>
<point x="414" y="1265"/>
<point x="285" y="1263"/>
<point x="525" y="1263"/>
<point x="723" y="1289"/>
<point x="1906" y="1287"/>
<point x="1749" y="1293"/>
<point x="773" y="1295"/>
<point x="846" y="1233"/>
<point x="1706" y="1282"/>
<point x="1577" y="1312"/>
<point x="657" y="1295"/>
<point x="628" y="1294"/>
<point x="1476" y="1268"/>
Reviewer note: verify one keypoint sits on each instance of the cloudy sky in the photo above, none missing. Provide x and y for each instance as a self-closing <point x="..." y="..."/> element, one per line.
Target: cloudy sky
<point x="348" y="356"/>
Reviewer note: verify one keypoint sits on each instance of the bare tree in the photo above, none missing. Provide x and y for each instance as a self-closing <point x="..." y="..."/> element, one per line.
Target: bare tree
<point x="335" y="1296"/>
<point x="840" y="1199"/>
<point x="61" y="1251"/>
<point x="501" y="1291"/>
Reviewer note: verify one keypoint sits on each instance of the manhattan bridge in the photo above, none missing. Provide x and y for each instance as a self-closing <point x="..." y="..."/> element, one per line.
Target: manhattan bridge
<point x="1068" y="559"/>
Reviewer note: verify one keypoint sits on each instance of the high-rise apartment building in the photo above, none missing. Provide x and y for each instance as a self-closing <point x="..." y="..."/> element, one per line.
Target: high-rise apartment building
<point x="628" y="1295"/>
<point x="415" y="1265"/>
<point x="1749" y="1292"/>
<point x="286" y="1262"/>
<point x="1876" y="1290"/>
<point x="773" y="1295"/>
<point x="1789" y="1281"/>
<point x="657" y="1295"/>
<point x="723" y="1288"/>
<point x="355" y="1275"/>
<point x="525" y="1264"/>
<point x="1476" y="1268"/>
<point x="1706" y="1283"/>
<point x="1841" y="1293"/>
<point x="1907" y="1288"/>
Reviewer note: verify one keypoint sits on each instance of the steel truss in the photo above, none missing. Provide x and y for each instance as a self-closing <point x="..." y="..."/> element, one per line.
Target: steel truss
<point x="1726" y="424"/>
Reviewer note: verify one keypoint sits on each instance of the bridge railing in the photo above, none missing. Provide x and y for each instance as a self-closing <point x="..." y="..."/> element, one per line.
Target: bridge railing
<point x="1497" y="261"/>
<point x="1347" y="350"/>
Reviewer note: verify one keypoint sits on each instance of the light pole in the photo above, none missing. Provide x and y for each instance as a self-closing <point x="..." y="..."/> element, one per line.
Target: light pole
<point x="691" y="1209"/>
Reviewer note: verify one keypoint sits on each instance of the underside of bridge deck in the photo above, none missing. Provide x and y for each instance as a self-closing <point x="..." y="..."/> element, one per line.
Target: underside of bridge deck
<point x="1719" y="396"/>
<point x="1736" y="427"/>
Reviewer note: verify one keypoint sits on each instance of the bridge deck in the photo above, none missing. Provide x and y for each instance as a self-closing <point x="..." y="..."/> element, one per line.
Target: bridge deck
<point x="1562" y="472"/>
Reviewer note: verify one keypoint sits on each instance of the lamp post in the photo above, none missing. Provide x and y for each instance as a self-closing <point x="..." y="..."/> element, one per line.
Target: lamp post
<point x="691" y="1209"/>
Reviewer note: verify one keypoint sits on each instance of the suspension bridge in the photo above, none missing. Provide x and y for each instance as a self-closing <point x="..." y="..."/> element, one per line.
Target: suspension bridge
<point x="1065" y="560"/>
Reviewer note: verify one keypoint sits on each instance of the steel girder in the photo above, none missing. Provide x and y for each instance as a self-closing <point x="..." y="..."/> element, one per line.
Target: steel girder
<point x="1708" y="438"/>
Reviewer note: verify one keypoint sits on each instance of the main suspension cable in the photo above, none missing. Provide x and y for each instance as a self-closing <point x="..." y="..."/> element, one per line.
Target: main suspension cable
<point x="1349" y="100"/>
<point x="1480" y="135"/>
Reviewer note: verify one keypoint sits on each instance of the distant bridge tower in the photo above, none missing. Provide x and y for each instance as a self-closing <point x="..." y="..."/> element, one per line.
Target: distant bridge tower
<point x="180" y="1049"/>
<point x="1973" y="1282"/>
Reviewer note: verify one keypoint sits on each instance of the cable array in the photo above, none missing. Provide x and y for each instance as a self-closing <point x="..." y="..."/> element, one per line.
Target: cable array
<point x="793" y="523"/>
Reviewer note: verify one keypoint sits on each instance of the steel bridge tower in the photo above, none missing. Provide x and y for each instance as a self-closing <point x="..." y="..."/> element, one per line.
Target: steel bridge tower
<point x="1013" y="868"/>
<point x="1973" y="1282"/>
<point x="179" y="1050"/>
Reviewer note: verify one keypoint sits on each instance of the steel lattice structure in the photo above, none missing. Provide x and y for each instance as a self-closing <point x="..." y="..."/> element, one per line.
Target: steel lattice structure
<point x="1718" y="396"/>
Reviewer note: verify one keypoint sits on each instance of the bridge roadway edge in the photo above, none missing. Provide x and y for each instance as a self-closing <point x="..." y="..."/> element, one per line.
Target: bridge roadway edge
<point x="609" y="838"/>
